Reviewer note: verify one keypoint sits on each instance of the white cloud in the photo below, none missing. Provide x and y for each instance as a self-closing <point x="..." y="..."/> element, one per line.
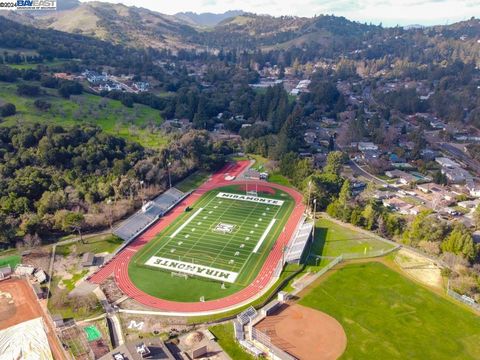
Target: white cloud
<point x="389" y="12"/>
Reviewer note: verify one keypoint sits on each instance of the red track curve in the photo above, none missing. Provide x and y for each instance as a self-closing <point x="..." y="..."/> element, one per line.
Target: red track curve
<point x="119" y="265"/>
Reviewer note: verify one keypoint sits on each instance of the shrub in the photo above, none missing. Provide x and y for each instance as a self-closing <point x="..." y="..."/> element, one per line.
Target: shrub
<point x="28" y="90"/>
<point x="8" y="110"/>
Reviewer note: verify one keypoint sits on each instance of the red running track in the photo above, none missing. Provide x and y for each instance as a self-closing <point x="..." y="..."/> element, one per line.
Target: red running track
<point x="119" y="265"/>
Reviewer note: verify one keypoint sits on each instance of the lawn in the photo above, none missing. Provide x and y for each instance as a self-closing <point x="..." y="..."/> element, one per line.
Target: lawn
<point x="194" y="239"/>
<point x="97" y="244"/>
<point x="277" y="178"/>
<point x="387" y="316"/>
<point x="70" y="283"/>
<point x="260" y="162"/>
<point x="333" y="239"/>
<point x="289" y="271"/>
<point x="137" y="124"/>
<point x="226" y="339"/>
<point x="12" y="260"/>
<point x="192" y="181"/>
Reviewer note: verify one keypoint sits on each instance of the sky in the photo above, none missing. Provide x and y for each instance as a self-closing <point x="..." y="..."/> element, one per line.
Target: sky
<point x="387" y="12"/>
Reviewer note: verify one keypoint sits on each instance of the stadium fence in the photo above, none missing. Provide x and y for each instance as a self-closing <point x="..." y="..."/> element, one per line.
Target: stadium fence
<point x="266" y="341"/>
<point x="463" y="298"/>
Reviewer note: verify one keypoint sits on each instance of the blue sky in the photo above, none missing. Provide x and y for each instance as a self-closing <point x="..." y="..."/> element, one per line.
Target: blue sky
<point x="388" y="12"/>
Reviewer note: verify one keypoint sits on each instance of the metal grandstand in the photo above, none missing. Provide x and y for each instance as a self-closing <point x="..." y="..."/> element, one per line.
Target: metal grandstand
<point x="247" y="315"/>
<point x="238" y="328"/>
<point x="299" y="242"/>
<point x="148" y="214"/>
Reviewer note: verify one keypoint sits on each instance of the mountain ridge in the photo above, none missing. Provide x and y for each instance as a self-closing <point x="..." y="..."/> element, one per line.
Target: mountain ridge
<point x="207" y="19"/>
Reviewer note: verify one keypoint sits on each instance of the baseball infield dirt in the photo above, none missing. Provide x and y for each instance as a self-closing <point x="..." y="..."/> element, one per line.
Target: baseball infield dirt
<point x="22" y="306"/>
<point x="305" y="333"/>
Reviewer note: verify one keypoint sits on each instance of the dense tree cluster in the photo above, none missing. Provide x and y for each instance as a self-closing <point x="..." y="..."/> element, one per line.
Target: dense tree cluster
<point x="54" y="179"/>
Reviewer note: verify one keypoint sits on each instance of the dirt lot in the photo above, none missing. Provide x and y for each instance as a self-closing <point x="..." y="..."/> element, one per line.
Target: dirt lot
<point x="22" y="305"/>
<point x="420" y="268"/>
<point x="38" y="258"/>
<point x="306" y="333"/>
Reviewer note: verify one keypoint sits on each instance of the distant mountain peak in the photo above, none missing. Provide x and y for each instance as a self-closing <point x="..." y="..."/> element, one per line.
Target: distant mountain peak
<point x="207" y="18"/>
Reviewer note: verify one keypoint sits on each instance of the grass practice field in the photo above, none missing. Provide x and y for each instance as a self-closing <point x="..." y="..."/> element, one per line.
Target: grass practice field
<point x="387" y="316"/>
<point x="220" y="244"/>
<point x="333" y="239"/>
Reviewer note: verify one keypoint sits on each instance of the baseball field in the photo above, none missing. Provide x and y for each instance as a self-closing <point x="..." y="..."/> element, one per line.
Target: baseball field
<point x="387" y="316"/>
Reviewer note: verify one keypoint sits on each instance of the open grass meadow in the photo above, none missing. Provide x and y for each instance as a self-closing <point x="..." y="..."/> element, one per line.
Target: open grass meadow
<point x="196" y="241"/>
<point x="138" y="124"/>
<point x="387" y="316"/>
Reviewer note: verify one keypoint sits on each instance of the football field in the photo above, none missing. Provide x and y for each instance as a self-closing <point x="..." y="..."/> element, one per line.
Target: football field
<point x="224" y="237"/>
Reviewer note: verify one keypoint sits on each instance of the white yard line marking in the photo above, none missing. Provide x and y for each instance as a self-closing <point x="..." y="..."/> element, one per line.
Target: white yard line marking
<point x="264" y="235"/>
<point x="181" y="227"/>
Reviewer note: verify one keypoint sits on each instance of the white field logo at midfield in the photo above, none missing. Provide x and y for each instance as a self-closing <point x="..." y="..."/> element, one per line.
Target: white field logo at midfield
<point x="192" y="269"/>
<point x="256" y="199"/>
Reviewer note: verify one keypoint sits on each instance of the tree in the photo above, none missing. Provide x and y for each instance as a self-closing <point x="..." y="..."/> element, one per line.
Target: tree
<point x="460" y="241"/>
<point x="345" y="193"/>
<point x="325" y="188"/>
<point x="68" y="88"/>
<point x="476" y="217"/>
<point x="69" y="221"/>
<point x="31" y="241"/>
<point x="425" y="227"/>
<point x="370" y="215"/>
<point x="8" y="110"/>
<point x="335" y="161"/>
<point x="28" y="90"/>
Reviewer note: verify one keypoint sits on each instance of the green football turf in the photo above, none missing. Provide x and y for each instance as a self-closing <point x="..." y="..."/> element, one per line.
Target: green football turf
<point x="193" y="239"/>
<point x="387" y="316"/>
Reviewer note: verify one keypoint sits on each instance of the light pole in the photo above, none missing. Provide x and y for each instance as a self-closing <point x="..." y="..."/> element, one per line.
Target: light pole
<point x="169" y="176"/>
<point x="142" y="195"/>
<point x="314" y="215"/>
<point x="309" y="191"/>
<point x="110" y="214"/>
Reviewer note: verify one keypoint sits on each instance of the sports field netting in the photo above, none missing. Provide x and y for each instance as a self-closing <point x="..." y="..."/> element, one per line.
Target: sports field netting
<point x="217" y="239"/>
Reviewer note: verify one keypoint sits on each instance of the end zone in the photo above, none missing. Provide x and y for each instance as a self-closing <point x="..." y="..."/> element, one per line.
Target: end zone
<point x="192" y="269"/>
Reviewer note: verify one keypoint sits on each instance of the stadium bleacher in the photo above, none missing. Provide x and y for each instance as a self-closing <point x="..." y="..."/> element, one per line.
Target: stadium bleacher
<point x="247" y="315"/>
<point x="251" y="348"/>
<point x="299" y="242"/>
<point x="148" y="214"/>
<point x="238" y="328"/>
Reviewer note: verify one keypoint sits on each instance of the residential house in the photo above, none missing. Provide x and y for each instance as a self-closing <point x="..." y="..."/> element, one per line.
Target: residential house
<point x="473" y="188"/>
<point x="398" y="205"/>
<point x="364" y="146"/>
<point x="456" y="175"/>
<point x="447" y="163"/>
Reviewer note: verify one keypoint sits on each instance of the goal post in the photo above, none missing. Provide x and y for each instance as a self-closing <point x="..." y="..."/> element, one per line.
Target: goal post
<point x="178" y="274"/>
<point x="253" y="191"/>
